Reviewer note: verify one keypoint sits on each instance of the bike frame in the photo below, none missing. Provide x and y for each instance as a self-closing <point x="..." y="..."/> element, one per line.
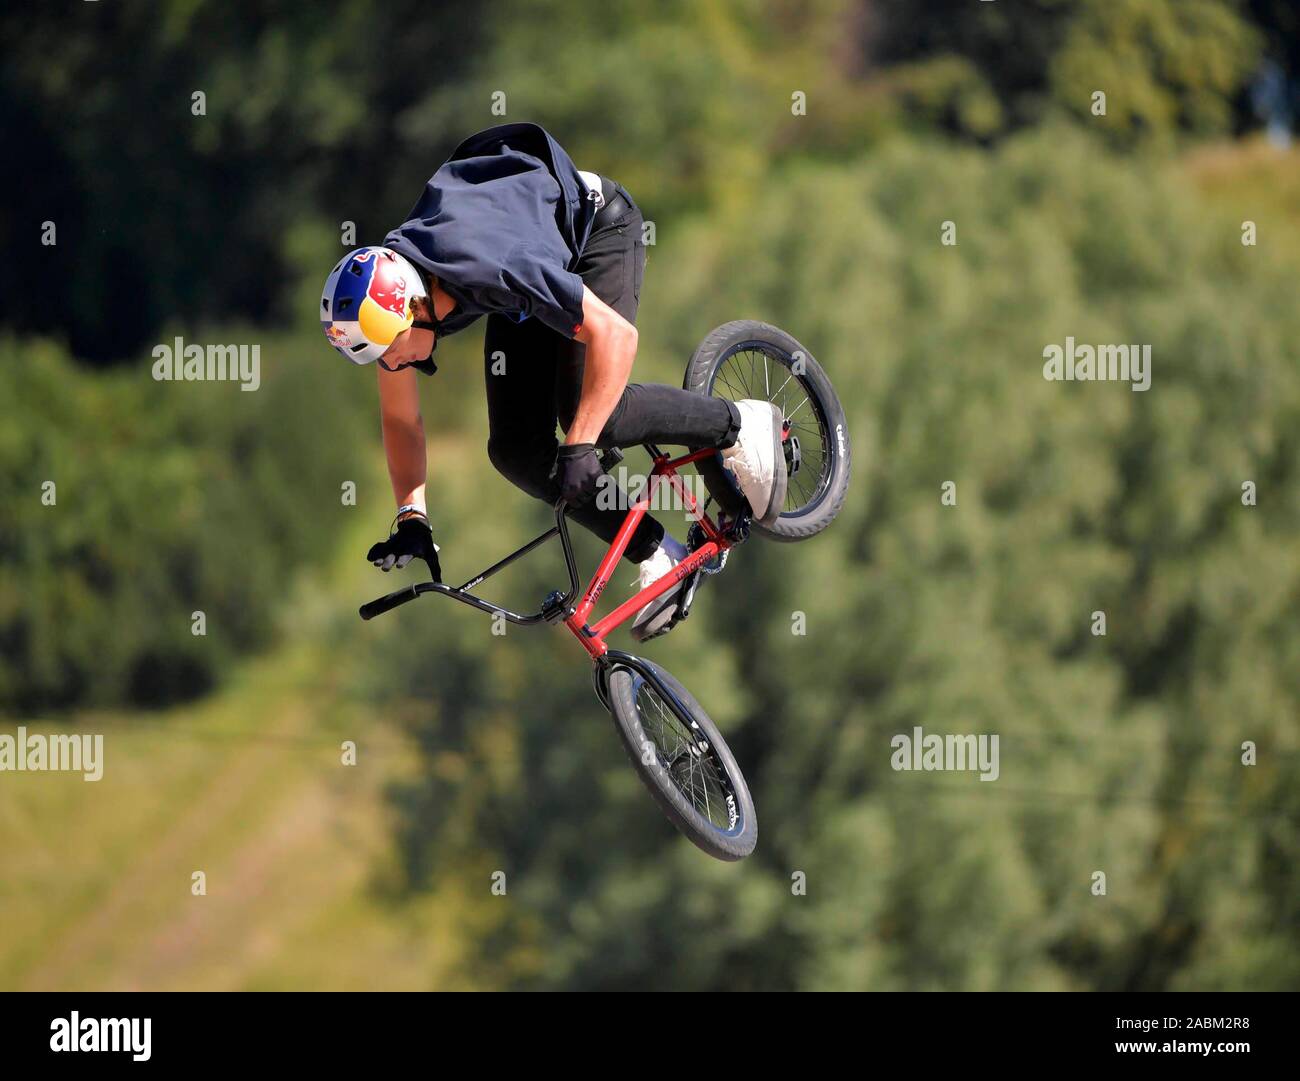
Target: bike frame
<point x="561" y="607"/>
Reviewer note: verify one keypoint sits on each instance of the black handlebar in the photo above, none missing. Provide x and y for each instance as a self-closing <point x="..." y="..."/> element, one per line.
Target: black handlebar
<point x="387" y="603"/>
<point x="552" y="608"/>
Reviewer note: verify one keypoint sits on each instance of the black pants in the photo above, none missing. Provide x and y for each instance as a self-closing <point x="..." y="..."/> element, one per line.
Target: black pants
<point x="534" y="380"/>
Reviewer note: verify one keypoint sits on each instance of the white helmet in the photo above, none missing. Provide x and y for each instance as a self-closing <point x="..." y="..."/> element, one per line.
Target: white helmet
<point x="367" y="302"/>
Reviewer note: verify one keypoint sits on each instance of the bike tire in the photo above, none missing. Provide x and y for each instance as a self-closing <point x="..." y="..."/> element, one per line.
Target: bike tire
<point x="808" y="510"/>
<point x="627" y="693"/>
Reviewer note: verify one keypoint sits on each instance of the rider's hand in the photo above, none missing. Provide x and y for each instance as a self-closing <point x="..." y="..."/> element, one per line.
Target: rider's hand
<point x="413" y="539"/>
<point x="578" y="471"/>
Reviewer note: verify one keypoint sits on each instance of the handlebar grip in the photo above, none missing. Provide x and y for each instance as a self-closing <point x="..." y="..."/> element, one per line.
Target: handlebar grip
<point x="386" y="604"/>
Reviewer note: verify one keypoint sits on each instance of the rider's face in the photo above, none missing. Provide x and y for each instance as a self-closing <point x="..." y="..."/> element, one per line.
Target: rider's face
<point x="411" y="345"/>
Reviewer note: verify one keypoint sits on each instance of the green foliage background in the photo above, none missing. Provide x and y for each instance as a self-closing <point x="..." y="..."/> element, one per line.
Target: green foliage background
<point x="480" y="753"/>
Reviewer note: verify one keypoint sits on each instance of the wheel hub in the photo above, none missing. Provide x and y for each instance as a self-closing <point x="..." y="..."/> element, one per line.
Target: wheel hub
<point x="793" y="455"/>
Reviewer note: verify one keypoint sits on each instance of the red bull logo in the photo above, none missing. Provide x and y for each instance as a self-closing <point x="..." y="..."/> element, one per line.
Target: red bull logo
<point x="387" y="286"/>
<point x="383" y="312"/>
<point x="337" y="338"/>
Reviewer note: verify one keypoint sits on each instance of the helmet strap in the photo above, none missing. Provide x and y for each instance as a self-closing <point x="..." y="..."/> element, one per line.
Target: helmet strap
<point x="427" y="366"/>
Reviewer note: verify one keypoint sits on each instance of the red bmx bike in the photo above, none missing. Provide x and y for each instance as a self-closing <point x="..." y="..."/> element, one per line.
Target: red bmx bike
<point x="673" y="745"/>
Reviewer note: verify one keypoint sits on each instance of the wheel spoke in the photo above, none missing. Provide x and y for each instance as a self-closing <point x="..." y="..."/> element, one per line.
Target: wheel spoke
<point x="686" y="754"/>
<point x="772" y="398"/>
<point x="736" y="377"/>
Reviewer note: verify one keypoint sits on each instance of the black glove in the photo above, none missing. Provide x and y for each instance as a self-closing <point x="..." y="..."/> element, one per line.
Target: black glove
<point x="579" y="471"/>
<point x="412" y="539"/>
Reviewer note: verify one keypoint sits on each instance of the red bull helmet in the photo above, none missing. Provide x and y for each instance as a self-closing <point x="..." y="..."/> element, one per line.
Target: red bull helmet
<point x="367" y="302"/>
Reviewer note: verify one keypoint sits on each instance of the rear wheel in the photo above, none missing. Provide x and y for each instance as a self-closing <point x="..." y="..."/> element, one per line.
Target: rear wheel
<point x="750" y="359"/>
<point x="683" y="760"/>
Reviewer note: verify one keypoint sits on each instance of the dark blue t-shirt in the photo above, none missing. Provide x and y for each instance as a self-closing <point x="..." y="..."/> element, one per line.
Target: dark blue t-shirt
<point x="501" y="225"/>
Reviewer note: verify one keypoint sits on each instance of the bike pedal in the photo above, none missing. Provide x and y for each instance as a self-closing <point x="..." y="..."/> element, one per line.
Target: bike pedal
<point x="737" y="530"/>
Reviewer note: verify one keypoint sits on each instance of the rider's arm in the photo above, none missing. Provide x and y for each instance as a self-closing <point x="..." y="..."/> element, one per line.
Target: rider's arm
<point x="611" y="348"/>
<point x="399" y="410"/>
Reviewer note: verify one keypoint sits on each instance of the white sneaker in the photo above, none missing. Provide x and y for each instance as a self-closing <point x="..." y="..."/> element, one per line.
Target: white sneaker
<point x="757" y="459"/>
<point x="655" y="617"/>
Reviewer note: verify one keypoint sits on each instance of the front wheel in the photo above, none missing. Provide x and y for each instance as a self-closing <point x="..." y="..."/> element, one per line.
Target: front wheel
<point x="683" y="760"/>
<point x="749" y="359"/>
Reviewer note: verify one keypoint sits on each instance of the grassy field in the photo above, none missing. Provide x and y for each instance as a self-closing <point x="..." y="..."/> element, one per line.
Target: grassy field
<point x="248" y="787"/>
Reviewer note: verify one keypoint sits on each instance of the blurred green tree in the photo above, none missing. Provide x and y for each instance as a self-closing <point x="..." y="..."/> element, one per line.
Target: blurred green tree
<point x="171" y="498"/>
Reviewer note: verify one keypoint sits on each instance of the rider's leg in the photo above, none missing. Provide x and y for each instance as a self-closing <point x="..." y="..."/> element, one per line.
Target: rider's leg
<point x="520" y="362"/>
<point x="656" y="413"/>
